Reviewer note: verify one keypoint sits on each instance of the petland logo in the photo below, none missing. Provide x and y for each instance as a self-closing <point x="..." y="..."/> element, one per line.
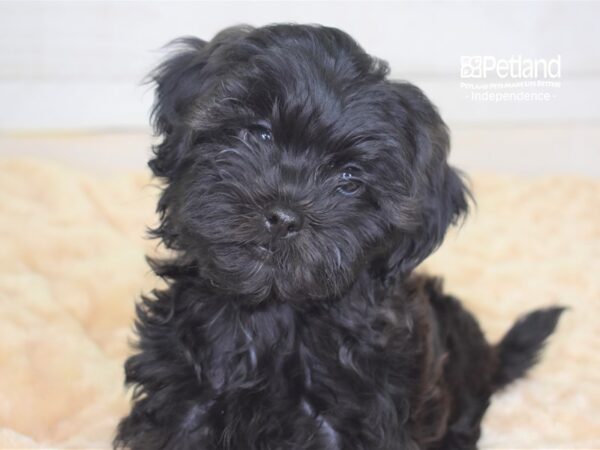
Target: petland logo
<point x="516" y="79"/>
<point x="515" y="67"/>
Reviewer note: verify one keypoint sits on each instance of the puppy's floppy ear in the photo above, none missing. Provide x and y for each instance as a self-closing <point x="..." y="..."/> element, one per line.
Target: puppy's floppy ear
<point x="182" y="81"/>
<point x="439" y="194"/>
<point x="178" y="81"/>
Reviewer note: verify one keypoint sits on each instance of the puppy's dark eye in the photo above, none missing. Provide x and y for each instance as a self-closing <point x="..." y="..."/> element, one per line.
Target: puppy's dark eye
<point x="265" y="135"/>
<point x="261" y="132"/>
<point x="349" y="183"/>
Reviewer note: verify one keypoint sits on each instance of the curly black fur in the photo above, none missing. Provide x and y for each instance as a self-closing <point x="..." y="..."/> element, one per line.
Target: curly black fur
<point x="302" y="187"/>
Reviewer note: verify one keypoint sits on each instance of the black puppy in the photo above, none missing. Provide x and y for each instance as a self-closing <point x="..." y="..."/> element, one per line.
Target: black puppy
<point x="302" y="187"/>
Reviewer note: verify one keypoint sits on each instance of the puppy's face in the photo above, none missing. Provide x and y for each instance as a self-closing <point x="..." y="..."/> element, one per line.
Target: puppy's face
<point x="293" y="165"/>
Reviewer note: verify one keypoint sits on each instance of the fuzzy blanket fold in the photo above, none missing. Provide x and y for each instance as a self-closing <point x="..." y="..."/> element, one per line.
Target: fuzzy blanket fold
<point x="72" y="265"/>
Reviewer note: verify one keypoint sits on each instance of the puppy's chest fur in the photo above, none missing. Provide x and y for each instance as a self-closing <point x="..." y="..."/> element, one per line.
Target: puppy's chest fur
<point x="343" y="376"/>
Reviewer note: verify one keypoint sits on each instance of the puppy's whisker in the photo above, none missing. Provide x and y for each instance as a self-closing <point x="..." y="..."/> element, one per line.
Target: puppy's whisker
<point x="230" y="150"/>
<point x="338" y="256"/>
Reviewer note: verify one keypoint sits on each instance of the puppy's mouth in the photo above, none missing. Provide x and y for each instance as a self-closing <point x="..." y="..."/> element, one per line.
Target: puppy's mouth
<point x="263" y="250"/>
<point x="268" y="253"/>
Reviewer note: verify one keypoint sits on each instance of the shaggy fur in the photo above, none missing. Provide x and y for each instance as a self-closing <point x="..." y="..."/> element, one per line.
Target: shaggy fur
<point x="302" y="187"/>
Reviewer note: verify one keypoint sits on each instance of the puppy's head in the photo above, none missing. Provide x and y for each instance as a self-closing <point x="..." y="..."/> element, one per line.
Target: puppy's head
<point x="292" y="164"/>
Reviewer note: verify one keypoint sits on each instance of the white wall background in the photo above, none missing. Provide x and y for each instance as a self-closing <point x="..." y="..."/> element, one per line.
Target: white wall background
<point x="79" y="65"/>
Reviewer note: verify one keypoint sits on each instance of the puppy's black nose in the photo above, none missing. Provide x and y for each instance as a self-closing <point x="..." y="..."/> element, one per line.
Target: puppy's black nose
<point x="283" y="222"/>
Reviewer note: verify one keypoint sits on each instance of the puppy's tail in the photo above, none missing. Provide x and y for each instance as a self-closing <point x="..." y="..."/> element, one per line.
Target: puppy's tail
<point x="520" y="348"/>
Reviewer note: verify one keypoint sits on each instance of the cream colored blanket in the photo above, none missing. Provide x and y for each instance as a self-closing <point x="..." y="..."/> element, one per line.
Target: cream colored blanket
<point x="72" y="265"/>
